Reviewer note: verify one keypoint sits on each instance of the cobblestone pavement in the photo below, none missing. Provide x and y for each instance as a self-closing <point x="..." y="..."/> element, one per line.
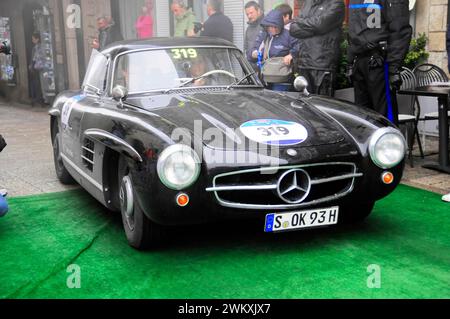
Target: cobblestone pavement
<point x="26" y="165"/>
<point x="425" y="178"/>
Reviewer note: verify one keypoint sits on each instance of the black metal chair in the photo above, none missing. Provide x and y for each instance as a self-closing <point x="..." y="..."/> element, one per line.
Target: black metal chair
<point x="412" y="117"/>
<point x="427" y="74"/>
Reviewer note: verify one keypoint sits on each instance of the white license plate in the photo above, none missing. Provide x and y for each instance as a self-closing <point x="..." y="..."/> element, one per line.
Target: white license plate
<point x="300" y="220"/>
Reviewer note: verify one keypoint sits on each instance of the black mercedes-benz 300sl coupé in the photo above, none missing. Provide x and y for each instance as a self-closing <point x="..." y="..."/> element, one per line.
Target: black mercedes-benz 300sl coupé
<point x="181" y="131"/>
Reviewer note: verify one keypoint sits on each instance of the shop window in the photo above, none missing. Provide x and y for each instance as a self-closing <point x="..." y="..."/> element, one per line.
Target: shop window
<point x="7" y="70"/>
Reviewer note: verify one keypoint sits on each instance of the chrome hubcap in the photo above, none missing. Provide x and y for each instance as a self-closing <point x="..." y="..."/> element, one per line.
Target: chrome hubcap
<point x="127" y="200"/>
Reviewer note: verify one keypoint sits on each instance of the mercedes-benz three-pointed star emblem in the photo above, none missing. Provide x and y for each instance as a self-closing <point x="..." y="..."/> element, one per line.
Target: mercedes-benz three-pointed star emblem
<point x="294" y="186"/>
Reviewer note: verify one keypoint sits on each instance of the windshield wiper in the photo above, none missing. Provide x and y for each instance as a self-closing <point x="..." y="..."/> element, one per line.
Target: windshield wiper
<point x="237" y="83"/>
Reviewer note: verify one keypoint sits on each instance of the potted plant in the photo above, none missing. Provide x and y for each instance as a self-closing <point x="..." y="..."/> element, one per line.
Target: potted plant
<point x="417" y="52"/>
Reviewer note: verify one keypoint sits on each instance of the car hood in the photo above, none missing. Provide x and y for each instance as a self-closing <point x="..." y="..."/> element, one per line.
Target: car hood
<point x="237" y="115"/>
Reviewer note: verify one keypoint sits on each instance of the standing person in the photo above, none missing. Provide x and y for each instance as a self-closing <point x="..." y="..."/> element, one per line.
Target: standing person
<point x="36" y="68"/>
<point x="319" y="30"/>
<point x="255" y="16"/>
<point x="3" y="203"/>
<point x="288" y="13"/>
<point x="144" y="23"/>
<point x="277" y="41"/>
<point x="184" y="19"/>
<point x="379" y="39"/>
<point x="107" y="33"/>
<point x="218" y="25"/>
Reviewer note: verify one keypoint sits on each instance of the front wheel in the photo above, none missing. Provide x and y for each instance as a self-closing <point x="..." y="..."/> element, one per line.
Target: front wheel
<point x="141" y="232"/>
<point x="61" y="171"/>
<point x="356" y="212"/>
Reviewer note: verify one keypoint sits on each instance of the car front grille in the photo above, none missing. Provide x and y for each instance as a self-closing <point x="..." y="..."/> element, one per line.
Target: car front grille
<point x="284" y="187"/>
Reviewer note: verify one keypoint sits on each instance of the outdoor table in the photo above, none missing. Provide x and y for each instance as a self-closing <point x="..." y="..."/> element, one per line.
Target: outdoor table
<point x="442" y="92"/>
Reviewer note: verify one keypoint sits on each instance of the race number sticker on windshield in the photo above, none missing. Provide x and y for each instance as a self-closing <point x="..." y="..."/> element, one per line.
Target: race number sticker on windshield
<point x="67" y="108"/>
<point x="275" y="132"/>
<point x="179" y="54"/>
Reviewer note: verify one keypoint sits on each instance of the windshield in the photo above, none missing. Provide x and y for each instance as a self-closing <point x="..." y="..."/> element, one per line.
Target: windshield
<point x="164" y="69"/>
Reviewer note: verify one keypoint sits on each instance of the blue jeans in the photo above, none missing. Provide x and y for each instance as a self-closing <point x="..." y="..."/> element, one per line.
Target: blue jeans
<point x="3" y="206"/>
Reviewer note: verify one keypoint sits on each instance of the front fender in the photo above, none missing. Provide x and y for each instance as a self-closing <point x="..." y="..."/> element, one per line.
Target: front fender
<point x="358" y="122"/>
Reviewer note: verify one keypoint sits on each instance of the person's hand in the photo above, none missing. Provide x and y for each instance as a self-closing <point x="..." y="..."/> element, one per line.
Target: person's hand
<point x="288" y="59"/>
<point x="255" y="54"/>
<point x="200" y="82"/>
<point x="395" y="80"/>
<point x="191" y="33"/>
<point x="95" y="44"/>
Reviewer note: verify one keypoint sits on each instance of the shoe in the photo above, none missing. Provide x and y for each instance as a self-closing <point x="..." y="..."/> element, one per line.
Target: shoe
<point x="3" y="192"/>
<point x="446" y="198"/>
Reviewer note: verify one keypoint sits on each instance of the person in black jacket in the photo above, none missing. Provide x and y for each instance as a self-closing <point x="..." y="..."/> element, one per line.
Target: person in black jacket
<point x="319" y="28"/>
<point x="108" y="32"/>
<point x="379" y="39"/>
<point x="255" y="16"/>
<point x="218" y="25"/>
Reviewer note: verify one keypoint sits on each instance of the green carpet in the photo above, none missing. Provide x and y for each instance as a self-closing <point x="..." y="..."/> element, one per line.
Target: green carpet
<point x="408" y="236"/>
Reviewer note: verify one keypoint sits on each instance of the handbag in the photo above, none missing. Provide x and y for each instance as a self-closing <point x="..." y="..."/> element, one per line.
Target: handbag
<point x="274" y="70"/>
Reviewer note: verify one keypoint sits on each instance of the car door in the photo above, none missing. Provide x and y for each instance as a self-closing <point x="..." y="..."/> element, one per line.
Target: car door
<point x="78" y="151"/>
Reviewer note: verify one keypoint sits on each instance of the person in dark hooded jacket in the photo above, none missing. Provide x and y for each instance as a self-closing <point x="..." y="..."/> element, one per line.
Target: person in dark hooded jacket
<point x="319" y="29"/>
<point x="278" y="39"/>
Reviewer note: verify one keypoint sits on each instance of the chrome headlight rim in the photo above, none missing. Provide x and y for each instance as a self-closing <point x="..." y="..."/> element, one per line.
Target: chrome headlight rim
<point x="376" y="137"/>
<point x="170" y="151"/>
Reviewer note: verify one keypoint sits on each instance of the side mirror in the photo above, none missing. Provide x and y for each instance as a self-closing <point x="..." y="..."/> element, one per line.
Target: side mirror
<point x="119" y="93"/>
<point x="301" y="85"/>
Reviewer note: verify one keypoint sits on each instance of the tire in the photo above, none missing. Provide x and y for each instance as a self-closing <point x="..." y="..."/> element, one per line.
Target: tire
<point x="141" y="232"/>
<point x="61" y="171"/>
<point x="356" y="213"/>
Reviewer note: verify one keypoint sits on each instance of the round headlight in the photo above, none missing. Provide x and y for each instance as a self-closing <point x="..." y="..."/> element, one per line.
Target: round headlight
<point x="387" y="148"/>
<point x="178" y="167"/>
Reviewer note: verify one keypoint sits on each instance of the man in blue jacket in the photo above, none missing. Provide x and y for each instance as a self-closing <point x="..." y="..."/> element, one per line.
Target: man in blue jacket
<point x="3" y="203"/>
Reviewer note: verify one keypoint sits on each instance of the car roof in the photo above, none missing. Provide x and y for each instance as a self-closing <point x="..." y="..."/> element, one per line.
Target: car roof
<point x="129" y="45"/>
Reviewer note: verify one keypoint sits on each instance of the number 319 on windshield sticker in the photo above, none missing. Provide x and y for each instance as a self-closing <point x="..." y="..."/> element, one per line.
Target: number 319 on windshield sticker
<point x="179" y="54"/>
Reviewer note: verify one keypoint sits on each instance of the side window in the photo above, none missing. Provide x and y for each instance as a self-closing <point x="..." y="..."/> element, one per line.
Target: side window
<point x="121" y="72"/>
<point x="95" y="79"/>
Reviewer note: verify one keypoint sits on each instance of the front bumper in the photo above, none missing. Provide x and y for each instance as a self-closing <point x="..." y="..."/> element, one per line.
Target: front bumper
<point x="159" y="203"/>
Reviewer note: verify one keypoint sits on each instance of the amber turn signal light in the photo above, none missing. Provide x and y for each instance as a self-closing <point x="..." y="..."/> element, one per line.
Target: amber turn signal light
<point x="182" y="200"/>
<point x="387" y="178"/>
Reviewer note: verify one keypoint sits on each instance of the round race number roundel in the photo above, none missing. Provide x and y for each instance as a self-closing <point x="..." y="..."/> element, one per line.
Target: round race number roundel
<point x="275" y="132"/>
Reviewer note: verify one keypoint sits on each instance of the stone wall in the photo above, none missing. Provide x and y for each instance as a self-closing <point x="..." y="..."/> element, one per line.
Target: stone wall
<point x="431" y="18"/>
